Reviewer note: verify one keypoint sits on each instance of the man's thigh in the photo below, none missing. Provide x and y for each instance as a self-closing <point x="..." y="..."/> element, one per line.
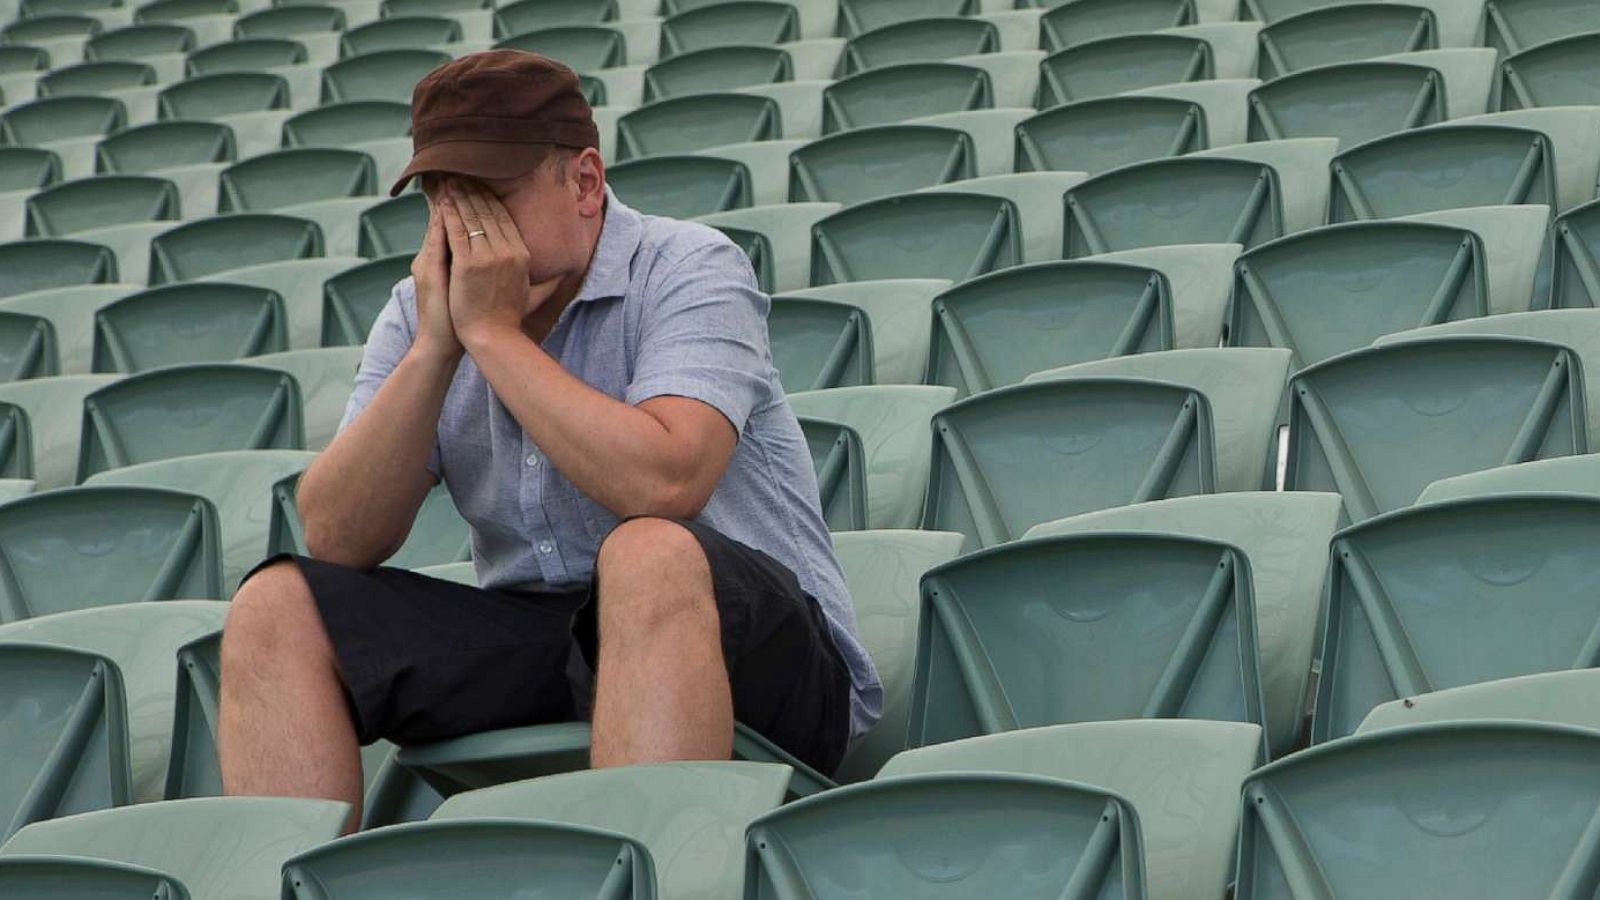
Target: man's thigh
<point x="423" y="659"/>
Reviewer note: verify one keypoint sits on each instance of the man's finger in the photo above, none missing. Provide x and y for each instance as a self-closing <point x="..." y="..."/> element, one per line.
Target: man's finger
<point x="474" y="198"/>
<point x="455" y="226"/>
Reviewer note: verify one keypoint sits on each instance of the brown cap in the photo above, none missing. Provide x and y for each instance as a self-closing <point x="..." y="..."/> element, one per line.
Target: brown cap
<point x="478" y="115"/>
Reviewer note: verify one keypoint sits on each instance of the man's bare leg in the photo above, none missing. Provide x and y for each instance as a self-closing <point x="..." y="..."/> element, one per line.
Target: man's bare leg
<point x="284" y="729"/>
<point x="662" y="691"/>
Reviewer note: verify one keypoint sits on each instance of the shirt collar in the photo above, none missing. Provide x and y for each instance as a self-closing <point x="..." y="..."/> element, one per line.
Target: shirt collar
<point x="611" y="269"/>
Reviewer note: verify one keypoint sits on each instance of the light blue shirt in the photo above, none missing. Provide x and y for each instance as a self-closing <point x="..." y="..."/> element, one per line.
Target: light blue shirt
<point x="667" y="308"/>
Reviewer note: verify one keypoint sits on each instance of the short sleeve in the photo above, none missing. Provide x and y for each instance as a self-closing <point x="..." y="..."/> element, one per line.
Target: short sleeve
<point x="387" y="343"/>
<point x="703" y="335"/>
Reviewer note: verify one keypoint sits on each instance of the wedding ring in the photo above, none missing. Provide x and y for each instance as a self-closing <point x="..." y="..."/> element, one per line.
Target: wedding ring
<point x="473" y="234"/>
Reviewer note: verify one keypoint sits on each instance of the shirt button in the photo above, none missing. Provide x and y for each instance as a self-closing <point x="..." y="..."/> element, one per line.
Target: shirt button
<point x="533" y="459"/>
<point x="546" y="546"/>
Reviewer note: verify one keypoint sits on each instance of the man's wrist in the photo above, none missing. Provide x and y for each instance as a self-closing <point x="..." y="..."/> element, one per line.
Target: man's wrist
<point x="436" y="354"/>
<point x="485" y="337"/>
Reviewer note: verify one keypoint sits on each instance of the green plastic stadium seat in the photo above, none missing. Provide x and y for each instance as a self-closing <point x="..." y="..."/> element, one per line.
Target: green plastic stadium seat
<point x="1565" y="474"/>
<point x="1555" y="73"/>
<point x="1331" y="290"/>
<point x="391" y="9"/>
<point x="891" y="424"/>
<point x="1098" y="135"/>
<point x="1285" y="538"/>
<point x="531" y="15"/>
<point x="1429" y="824"/>
<point x="995" y="330"/>
<point x="185" y="410"/>
<point x="1538" y="156"/>
<point x="38" y="29"/>
<point x="1359" y="101"/>
<point x="777" y="239"/>
<point x="742" y="22"/>
<point x="767" y="162"/>
<point x="222" y="243"/>
<point x="140" y="42"/>
<point x="141" y="641"/>
<point x="1245" y="194"/>
<point x="1453" y="593"/>
<point x="917" y="235"/>
<point x="345" y="124"/>
<point x="178" y="10"/>
<point x="61" y="118"/>
<point x="193" y="770"/>
<point x="27" y="347"/>
<point x="1081" y="21"/>
<point x="384" y="75"/>
<point x="438" y="536"/>
<point x="217" y="847"/>
<point x="688" y="124"/>
<point x="46" y="263"/>
<point x="928" y="39"/>
<point x="1379" y="425"/>
<point x="893" y="838"/>
<point x="64" y="878"/>
<point x="403" y="33"/>
<point x="1127" y="430"/>
<point x="299" y="176"/>
<point x="240" y="485"/>
<point x="1341" y="33"/>
<point x="857" y="17"/>
<point x="353" y="299"/>
<point x="163" y="145"/>
<point x="1274" y="10"/>
<point x="254" y="54"/>
<point x="289" y="21"/>
<point x="870" y="332"/>
<point x="28" y="168"/>
<point x="66" y="732"/>
<point x="681" y="186"/>
<point x="188" y="323"/>
<point x="896" y="93"/>
<point x="28" y="8"/>
<point x="867" y="163"/>
<point x="585" y="48"/>
<point x="1560" y="698"/>
<point x="223" y="94"/>
<point x="99" y="202"/>
<point x="1511" y="26"/>
<point x="1575" y="275"/>
<point x="79" y="548"/>
<point x="1116" y="65"/>
<point x="394" y="226"/>
<point x="716" y="69"/>
<point x="54" y="410"/>
<point x="326" y="377"/>
<point x="22" y="58"/>
<point x="16" y="443"/>
<point x="96" y="78"/>
<point x="1189" y="815"/>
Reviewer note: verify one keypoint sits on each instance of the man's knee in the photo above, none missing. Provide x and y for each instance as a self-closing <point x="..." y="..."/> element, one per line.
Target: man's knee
<point x="651" y="570"/>
<point x="272" y="616"/>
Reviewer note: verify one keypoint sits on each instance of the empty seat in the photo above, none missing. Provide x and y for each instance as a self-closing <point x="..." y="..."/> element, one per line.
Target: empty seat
<point x="697" y="122"/>
<point x="79" y="548"/>
<point x="777" y="239"/>
<point x="1540" y="156"/>
<point x="100" y="202"/>
<point x="1245" y="194"/>
<point x="896" y="93"/>
<point x="585" y="48"/>
<point x="529" y="15"/>
<point x="38" y="29"/>
<point x="16" y="443"/>
<point x="1344" y="32"/>
<point x="345" y="124"/>
<point x="27" y="347"/>
<point x="96" y="78"/>
<point x="755" y="22"/>
<point x="62" y="878"/>
<point x="1107" y="132"/>
<point x="28" y="168"/>
<point x="1034" y="194"/>
<point x="1116" y="65"/>
<point x="1326" y="291"/>
<point x="46" y="263"/>
<point x="384" y="75"/>
<point x="164" y="145"/>
<point x="289" y="21"/>
<point x="1511" y="26"/>
<point x="393" y="226"/>
<point x="879" y="831"/>
<point x="438" y="535"/>
<point x="61" y="118"/>
<point x="330" y="186"/>
<point x="1450" y="405"/>
<point x="1575" y="474"/>
<point x="1575" y="278"/>
<point x="140" y="42"/>
<point x="867" y="163"/>
<point x="918" y="235"/>
<point x="188" y="323"/>
<point x="681" y="186"/>
<point x="927" y="39"/>
<point x="217" y="847"/>
<point x="716" y="69"/>
<point x="859" y="16"/>
<point x="995" y="330"/>
<point x="1523" y="828"/>
<point x="326" y="377"/>
<point x="1082" y="21"/>
<point x="1563" y="698"/>
<point x="218" y="244"/>
<point x="401" y="33"/>
<point x="54" y="417"/>
<point x="353" y="299"/>
<point x="223" y="94"/>
<point x="177" y="10"/>
<point x="871" y="332"/>
<point x="246" y="55"/>
<point x="1555" y="73"/>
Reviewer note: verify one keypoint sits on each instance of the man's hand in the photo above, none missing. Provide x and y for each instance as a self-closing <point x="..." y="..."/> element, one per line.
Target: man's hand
<point x="436" y="335"/>
<point x="489" y="290"/>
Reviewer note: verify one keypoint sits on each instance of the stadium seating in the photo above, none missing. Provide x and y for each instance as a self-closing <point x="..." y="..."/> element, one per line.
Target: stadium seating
<point x="1344" y="32"/>
<point x="1566" y="698"/>
<point x="60" y="878"/>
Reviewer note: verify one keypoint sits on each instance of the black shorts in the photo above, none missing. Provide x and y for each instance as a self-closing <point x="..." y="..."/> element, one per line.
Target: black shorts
<point x="423" y="660"/>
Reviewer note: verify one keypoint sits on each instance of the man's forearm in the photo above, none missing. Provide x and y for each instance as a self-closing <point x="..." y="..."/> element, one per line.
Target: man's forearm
<point x="359" y="498"/>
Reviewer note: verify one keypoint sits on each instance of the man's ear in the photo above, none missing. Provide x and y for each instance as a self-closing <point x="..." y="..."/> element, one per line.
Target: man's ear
<point x="589" y="180"/>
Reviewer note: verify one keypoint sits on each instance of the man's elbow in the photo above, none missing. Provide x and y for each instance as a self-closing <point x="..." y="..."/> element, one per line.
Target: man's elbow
<point x="673" y="498"/>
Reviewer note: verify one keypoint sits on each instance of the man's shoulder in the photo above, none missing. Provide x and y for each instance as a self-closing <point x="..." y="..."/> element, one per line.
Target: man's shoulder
<point x="668" y="243"/>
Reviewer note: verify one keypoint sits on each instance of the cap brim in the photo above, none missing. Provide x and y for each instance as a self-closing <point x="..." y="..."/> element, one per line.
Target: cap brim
<point x="474" y="159"/>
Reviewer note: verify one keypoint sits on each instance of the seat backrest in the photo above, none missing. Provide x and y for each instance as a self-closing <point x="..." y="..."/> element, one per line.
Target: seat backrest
<point x="1343" y="32"/>
<point x="393" y="226"/>
<point x="1564" y="474"/>
<point x="16" y="442"/>
<point x="177" y="10"/>
<point x="1081" y="21"/>
<point x="179" y="324"/>
<point x="301" y="175"/>
<point x="681" y="186"/>
<point x="223" y="94"/>
<point x="529" y="15"/>
<point x="860" y="16"/>
<point x="920" y="40"/>
<point x="343" y="124"/>
<point x="840" y="465"/>
<point x="402" y="33"/>
<point x="252" y="54"/>
<point x="46" y="263"/>
<point x="140" y="41"/>
<point x="193" y="769"/>
<point x="101" y="201"/>
<point x="207" y="246"/>
<point x="96" y="77"/>
<point x="1511" y="26"/>
<point x="1453" y="593"/>
<point x="23" y="58"/>
<point x="1116" y="65"/>
<point x="1554" y="73"/>
<point x="891" y="94"/>
<point x="1560" y="698"/>
<point x="57" y="878"/>
<point x="739" y="22"/>
<point x="438" y="535"/>
<point x="867" y="163"/>
<point x="289" y="21"/>
<point x="352" y="300"/>
<point x="60" y="118"/>
<point x="1574" y="273"/>
<point x="28" y="168"/>
<point x="585" y="48"/>
<point x="28" y="347"/>
<point x="383" y="75"/>
<point x="1104" y="133"/>
<point x="49" y="28"/>
<point x="1378" y="425"/>
<point x="918" y="235"/>
<point x="696" y="122"/>
<point x="162" y="145"/>
<point x="78" y="548"/>
<point x="852" y="334"/>
<point x="716" y="69"/>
